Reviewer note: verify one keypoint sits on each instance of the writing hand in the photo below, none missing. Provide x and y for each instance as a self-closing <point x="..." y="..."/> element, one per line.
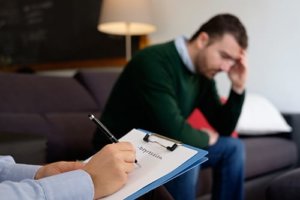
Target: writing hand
<point x="109" y="168"/>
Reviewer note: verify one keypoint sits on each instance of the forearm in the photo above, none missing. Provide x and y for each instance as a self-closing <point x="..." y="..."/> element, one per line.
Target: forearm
<point x="229" y="114"/>
<point x="193" y="137"/>
<point x="71" y="185"/>
<point x="9" y="170"/>
<point x="16" y="182"/>
<point x="223" y="117"/>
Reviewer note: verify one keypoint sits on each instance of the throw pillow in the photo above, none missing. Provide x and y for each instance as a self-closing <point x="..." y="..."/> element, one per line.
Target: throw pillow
<point x="260" y="116"/>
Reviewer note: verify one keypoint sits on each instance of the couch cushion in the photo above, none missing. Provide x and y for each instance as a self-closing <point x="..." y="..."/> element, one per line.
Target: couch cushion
<point x="24" y="147"/>
<point x="24" y="137"/>
<point x="23" y="123"/>
<point x="264" y="155"/>
<point x="70" y="136"/>
<point x="99" y="83"/>
<point x="38" y="94"/>
<point x="285" y="186"/>
<point x="268" y="154"/>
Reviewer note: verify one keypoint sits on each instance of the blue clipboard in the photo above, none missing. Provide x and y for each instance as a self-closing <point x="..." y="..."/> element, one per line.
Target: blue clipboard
<point x="194" y="161"/>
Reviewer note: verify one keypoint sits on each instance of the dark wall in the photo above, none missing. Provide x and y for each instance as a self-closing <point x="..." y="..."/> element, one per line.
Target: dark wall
<point x="41" y="31"/>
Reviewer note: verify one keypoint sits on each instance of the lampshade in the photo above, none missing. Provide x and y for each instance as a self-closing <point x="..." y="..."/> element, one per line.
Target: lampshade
<point x="126" y="17"/>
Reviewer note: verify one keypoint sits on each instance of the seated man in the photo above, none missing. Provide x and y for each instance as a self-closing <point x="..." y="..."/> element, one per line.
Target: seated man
<point x="105" y="173"/>
<point x="161" y="86"/>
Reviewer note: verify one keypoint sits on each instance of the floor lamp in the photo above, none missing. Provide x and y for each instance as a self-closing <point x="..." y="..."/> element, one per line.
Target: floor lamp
<point x="126" y="17"/>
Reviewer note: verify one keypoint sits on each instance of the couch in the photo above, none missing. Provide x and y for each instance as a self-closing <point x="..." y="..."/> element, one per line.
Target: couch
<point x="45" y="119"/>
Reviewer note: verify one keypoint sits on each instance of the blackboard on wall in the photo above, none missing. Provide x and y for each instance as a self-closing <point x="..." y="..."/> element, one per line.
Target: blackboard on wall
<point x="42" y="31"/>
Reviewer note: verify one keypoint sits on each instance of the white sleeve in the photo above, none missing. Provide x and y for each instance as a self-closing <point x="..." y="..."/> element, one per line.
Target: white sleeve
<point x="71" y="185"/>
<point x="9" y="170"/>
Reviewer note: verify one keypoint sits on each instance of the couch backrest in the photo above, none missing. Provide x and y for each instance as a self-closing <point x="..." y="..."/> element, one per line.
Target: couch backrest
<point x="22" y="93"/>
<point x="99" y="83"/>
<point x="55" y="107"/>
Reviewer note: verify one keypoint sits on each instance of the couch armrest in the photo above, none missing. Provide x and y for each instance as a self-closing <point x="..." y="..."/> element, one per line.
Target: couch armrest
<point x="293" y="119"/>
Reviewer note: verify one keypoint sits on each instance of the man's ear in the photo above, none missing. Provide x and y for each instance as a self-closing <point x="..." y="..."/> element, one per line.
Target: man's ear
<point x="202" y="40"/>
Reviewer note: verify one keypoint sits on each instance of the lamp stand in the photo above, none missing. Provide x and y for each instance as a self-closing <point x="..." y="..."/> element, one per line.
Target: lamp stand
<point x="128" y="42"/>
<point x="128" y="46"/>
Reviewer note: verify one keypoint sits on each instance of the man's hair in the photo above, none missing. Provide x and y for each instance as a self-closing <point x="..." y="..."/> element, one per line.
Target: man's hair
<point x="221" y="24"/>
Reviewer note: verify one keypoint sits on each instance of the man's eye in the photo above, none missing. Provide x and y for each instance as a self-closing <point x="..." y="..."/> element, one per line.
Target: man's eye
<point x="225" y="56"/>
<point x="228" y="58"/>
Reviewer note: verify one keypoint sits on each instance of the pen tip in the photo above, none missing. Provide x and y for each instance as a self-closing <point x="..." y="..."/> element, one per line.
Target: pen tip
<point x="91" y="116"/>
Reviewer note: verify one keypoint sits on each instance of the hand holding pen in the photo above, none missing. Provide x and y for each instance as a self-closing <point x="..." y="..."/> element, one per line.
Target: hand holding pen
<point x="104" y="130"/>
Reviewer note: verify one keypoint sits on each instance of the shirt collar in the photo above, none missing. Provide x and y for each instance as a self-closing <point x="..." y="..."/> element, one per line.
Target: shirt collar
<point x="181" y="47"/>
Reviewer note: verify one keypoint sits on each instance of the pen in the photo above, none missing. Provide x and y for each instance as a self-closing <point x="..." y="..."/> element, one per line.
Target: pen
<point x="104" y="130"/>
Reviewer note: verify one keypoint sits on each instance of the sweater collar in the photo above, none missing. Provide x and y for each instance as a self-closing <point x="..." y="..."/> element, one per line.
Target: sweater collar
<point x="181" y="47"/>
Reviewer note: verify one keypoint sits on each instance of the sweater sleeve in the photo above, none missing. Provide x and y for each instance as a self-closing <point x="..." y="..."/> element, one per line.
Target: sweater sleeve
<point x="222" y="116"/>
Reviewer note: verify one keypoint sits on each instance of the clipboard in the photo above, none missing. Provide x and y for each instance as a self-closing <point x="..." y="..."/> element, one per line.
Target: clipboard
<point x="163" y="160"/>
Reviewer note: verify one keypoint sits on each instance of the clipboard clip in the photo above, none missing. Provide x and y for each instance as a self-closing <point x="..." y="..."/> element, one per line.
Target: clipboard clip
<point x="170" y="148"/>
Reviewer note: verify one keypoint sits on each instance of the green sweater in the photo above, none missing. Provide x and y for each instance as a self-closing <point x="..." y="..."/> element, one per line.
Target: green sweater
<point x="156" y="92"/>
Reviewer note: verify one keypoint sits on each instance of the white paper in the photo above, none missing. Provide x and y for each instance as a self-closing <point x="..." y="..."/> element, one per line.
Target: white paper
<point x="155" y="162"/>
